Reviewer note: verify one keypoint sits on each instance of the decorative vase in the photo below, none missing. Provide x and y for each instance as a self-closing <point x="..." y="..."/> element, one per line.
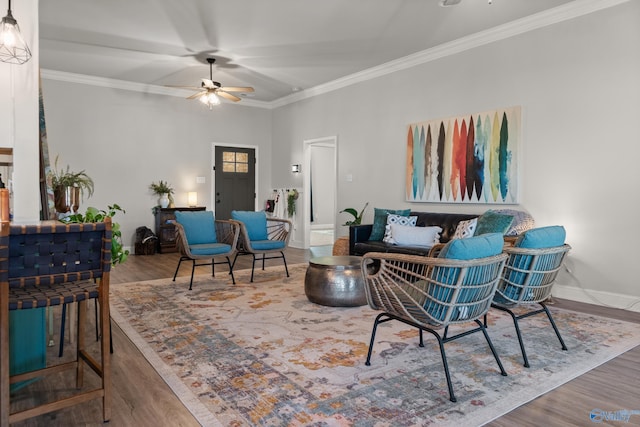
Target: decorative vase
<point x="163" y="201"/>
<point x="66" y="199"/>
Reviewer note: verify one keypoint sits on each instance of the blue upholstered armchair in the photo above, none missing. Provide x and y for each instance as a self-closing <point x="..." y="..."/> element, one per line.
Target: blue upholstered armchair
<point x="529" y="276"/>
<point x="201" y="237"/>
<point x="432" y="293"/>
<point x="261" y="235"/>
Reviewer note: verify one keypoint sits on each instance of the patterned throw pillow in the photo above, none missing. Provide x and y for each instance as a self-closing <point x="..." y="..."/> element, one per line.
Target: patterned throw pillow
<point x="522" y="221"/>
<point x="491" y="222"/>
<point x="380" y="221"/>
<point x="465" y="229"/>
<point x="408" y="221"/>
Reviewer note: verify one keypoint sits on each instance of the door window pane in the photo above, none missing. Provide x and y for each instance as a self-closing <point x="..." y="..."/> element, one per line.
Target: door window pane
<point x="235" y="162"/>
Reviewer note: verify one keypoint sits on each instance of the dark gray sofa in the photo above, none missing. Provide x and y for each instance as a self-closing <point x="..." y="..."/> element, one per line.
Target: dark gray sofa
<point x="359" y="243"/>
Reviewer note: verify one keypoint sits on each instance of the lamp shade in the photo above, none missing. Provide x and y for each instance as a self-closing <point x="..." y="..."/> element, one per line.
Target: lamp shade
<point x="13" y="47"/>
<point x="192" y="199"/>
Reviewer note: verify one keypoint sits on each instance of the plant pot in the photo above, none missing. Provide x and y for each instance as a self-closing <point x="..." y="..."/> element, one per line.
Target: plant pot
<point x="66" y="199"/>
<point x="163" y="201"/>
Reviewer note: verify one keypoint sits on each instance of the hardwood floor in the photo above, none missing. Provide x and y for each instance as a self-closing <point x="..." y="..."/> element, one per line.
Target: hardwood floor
<point x="141" y="398"/>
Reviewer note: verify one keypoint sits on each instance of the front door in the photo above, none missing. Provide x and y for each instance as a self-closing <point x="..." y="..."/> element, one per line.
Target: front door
<point x="235" y="172"/>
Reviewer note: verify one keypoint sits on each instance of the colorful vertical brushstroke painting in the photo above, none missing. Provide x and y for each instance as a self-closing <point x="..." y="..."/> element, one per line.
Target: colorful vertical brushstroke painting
<point x="466" y="159"/>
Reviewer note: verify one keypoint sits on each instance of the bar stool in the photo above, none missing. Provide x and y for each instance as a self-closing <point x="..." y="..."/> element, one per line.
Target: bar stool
<point x="49" y="264"/>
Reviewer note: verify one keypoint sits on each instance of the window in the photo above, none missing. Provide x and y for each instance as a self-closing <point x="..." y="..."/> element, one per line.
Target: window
<point x="235" y="162"/>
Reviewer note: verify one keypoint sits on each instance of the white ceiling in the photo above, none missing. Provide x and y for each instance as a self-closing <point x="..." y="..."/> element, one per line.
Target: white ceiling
<point x="276" y="46"/>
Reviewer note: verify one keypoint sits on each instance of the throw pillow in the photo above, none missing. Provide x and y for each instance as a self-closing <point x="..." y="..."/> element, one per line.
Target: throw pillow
<point x="465" y="229"/>
<point x="483" y="246"/>
<point x="543" y="237"/>
<point x="380" y="221"/>
<point x="409" y="221"/>
<point x="522" y="221"/>
<point x="254" y="222"/>
<point x="199" y="226"/>
<point x="415" y="236"/>
<point x="491" y="222"/>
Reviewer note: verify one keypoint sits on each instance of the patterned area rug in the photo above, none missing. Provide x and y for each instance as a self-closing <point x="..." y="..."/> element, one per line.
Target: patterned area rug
<point x="262" y="354"/>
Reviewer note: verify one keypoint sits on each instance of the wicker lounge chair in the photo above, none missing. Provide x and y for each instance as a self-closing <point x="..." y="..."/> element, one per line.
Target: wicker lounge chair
<point x="432" y="293"/>
<point x="527" y="280"/>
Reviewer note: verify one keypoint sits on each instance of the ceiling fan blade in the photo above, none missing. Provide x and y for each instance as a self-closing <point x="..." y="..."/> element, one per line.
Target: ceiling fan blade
<point x="227" y="96"/>
<point x="446" y="3"/>
<point x="198" y="94"/>
<point x="236" y="89"/>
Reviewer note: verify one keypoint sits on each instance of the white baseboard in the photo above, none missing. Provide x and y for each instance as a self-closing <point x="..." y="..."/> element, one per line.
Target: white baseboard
<point x="605" y="299"/>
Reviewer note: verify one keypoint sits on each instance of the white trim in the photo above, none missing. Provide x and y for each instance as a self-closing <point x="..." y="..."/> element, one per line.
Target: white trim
<point x="327" y="141"/>
<point x="565" y="12"/>
<point x="63" y="76"/>
<point x="601" y="298"/>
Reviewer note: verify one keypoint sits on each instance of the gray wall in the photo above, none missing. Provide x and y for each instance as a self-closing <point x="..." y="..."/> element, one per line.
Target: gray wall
<point x="125" y="140"/>
<point x="579" y="87"/>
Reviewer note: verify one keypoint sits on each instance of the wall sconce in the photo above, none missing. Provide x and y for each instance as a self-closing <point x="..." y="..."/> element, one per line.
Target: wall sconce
<point x="192" y="199"/>
<point x="13" y="48"/>
<point x="295" y="168"/>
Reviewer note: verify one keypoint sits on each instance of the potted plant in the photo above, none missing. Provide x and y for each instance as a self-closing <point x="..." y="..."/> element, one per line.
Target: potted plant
<point x="357" y="217"/>
<point x="69" y="187"/>
<point x="164" y="191"/>
<point x="292" y="196"/>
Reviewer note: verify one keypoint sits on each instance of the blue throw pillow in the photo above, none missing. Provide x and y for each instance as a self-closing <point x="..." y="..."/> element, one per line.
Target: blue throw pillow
<point x="199" y="226"/>
<point x="380" y="221"/>
<point x="543" y="237"/>
<point x="254" y="222"/>
<point x="491" y="222"/>
<point x="482" y="246"/>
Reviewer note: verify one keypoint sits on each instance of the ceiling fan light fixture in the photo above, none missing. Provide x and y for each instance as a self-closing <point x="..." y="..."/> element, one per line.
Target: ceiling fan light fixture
<point x="13" y="47"/>
<point x="210" y="99"/>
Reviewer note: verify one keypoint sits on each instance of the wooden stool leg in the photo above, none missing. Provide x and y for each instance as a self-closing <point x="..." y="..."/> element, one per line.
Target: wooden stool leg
<point x="82" y="318"/>
<point x="105" y="344"/>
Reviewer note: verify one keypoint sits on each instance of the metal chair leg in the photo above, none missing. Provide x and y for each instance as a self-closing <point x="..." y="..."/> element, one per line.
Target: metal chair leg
<point x="553" y="323"/>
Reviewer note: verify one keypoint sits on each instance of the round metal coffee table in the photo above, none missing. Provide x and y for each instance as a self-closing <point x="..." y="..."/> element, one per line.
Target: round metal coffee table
<point x="335" y="281"/>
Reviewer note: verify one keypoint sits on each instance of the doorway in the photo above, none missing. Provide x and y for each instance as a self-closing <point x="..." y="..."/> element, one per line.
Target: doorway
<point x="320" y="192"/>
<point x="234" y="179"/>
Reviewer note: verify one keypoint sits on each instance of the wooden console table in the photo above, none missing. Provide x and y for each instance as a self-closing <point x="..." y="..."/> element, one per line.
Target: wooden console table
<point x="165" y="230"/>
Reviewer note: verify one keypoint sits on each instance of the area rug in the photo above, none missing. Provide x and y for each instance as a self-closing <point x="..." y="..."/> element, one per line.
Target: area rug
<point x="261" y="354"/>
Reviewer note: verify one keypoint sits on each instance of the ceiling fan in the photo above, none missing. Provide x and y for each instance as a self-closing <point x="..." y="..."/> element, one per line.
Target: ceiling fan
<point x="209" y="90"/>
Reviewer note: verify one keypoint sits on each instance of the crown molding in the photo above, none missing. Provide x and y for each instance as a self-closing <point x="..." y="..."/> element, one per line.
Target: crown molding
<point x="558" y="14"/>
<point x="63" y="76"/>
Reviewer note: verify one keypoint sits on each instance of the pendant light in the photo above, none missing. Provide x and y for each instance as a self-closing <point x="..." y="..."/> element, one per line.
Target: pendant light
<point x="13" y="48"/>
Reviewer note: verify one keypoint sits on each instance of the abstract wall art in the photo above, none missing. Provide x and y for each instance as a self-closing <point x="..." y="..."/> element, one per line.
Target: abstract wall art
<point x="466" y="159"/>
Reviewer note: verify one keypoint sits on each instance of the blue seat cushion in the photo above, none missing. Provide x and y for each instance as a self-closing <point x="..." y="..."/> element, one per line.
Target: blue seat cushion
<point x="254" y="222"/>
<point x="266" y="245"/>
<point x="199" y="226"/>
<point x="542" y="237"/>
<point x="210" y="249"/>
